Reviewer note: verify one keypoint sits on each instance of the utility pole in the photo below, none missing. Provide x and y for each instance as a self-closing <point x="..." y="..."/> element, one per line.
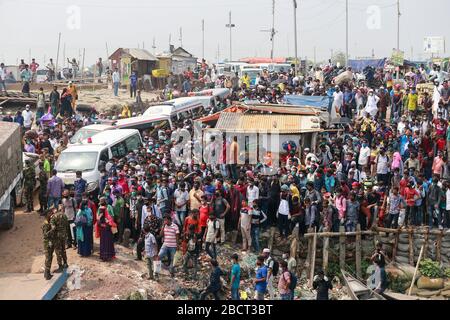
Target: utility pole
<point x="218" y="53"/>
<point x="272" y="36"/>
<point x="295" y="35"/>
<point x="398" y="33"/>
<point x="314" y="56"/>
<point x="82" y="64"/>
<point x="398" y="24"/>
<point x="272" y="30"/>
<point x="154" y="46"/>
<point x="203" y="38"/>
<point x="181" y="37"/>
<point x="57" y="56"/>
<point x="346" y="32"/>
<point x="230" y="26"/>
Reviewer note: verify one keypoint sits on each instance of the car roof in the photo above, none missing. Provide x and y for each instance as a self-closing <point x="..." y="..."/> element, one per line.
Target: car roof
<point x="99" y="127"/>
<point x="105" y="138"/>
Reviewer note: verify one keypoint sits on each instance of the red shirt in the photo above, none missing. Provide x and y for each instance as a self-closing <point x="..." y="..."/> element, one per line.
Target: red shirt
<point x="440" y="144"/>
<point x="204" y="215"/>
<point x="410" y="194"/>
<point x="403" y="185"/>
<point x="188" y="221"/>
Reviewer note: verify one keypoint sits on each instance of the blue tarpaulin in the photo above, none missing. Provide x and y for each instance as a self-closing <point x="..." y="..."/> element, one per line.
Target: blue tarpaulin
<point x="310" y="101"/>
<point x="359" y="65"/>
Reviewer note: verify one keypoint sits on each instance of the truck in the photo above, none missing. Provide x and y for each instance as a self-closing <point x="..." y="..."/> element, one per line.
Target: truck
<point x="11" y="172"/>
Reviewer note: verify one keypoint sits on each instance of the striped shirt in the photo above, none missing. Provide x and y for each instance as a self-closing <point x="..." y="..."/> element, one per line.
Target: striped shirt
<point x="170" y="235"/>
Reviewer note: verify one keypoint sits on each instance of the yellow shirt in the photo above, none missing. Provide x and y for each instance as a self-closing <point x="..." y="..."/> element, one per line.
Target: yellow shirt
<point x="295" y="192"/>
<point x="412" y="101"/>
<point x="246" y="80"/>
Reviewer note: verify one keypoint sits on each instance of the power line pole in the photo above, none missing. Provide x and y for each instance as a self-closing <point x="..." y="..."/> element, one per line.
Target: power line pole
<point x="230" y="26"/>
<point x="272" y="36"/>
<point x="295" y="35"/>
<point x="181" y="37"/>
<point x="346" y="32"/>
<point x="203" y="38"/>
<point x="398" y="24"/>
<point x="398" y="33"/>
<point x="57" y="55"/>
<point x="154" y="46"/>
<point x="272" y="30"/>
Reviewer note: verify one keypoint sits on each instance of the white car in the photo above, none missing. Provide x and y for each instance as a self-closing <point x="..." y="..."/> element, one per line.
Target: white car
<point x="41" y="75"/>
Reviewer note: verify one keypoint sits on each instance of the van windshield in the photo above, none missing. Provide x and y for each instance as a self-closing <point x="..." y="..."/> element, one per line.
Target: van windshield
<point x="76" y="161"/>
<point x="83" y="134"/>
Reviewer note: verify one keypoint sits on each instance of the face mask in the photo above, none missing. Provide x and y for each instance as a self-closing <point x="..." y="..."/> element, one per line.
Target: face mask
<point x="107" y="194"/>
<point x="133" y="194"/>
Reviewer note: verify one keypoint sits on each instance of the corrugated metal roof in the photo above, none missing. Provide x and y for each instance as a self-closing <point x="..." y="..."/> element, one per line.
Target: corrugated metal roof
<point x="283" y="124"/>
<point x="140" y="54"/>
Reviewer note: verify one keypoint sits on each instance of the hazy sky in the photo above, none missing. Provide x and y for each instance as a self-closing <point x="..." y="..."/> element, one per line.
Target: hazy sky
<point x="34" y="24"/>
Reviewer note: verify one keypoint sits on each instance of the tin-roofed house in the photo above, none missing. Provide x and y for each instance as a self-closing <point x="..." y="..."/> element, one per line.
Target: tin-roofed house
<point x="132" y="59"/>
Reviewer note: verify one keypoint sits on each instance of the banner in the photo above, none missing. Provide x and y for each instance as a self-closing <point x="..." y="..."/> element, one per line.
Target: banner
<point x="308" y="101"/>
<point x="398" y="57"/>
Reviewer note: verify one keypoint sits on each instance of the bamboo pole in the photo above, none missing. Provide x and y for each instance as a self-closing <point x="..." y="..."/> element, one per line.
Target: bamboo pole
<point x="415" y="271"/>
<point x="339" y="234"/>
<point x="438" y="246"/>
<point x="394" y="250"/>
<point x="308" y="256"/>
<point x="313" y="258"/>
<point x="326" y="245"/>
<point x="358" y="251"/>
<point x="342" y="247"/>
<point x="411" y="246"/>
<point x="386" y="230"/>
<point x="425" y="249"/>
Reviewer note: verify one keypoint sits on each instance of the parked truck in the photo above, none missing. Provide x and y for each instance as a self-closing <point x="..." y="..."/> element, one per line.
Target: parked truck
<point x="11" y="172"/>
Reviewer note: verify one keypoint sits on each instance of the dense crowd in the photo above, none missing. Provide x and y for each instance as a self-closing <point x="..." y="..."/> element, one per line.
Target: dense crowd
<point x="387" y="167"/>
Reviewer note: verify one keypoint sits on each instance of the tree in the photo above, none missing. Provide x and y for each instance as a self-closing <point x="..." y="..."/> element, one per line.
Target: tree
<point x="340" y="58"/>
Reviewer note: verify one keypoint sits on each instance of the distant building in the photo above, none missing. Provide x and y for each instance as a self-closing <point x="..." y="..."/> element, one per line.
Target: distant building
<point x="131" y="59"/>
<point x="177" y="61"/>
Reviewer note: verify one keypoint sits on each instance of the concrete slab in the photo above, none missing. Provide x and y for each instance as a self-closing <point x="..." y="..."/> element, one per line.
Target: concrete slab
<point x="33" y="286"/>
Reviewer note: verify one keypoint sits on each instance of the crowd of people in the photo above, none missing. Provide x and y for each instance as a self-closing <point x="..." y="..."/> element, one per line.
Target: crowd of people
<point x="388" y="167"/>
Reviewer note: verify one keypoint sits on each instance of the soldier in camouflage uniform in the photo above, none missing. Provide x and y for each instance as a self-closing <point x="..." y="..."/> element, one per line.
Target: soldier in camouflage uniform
<point x="29" y="175"/>
<point x="43" y="179"/>
<point x="59" y="223"/>
<point x="48" y="234"/>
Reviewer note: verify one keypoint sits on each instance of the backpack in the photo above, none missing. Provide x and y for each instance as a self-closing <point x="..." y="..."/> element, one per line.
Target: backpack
<point x="276" y="267"/>
<point x="294" y="281"/>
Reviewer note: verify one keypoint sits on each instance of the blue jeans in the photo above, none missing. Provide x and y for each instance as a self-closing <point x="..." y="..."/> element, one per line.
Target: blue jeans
<point x="53" y="201"/>
<point x="116" y="88"/>
<point x="254" y="232"/>
<point x="430" y="212"/>
<point x="235" y="294"/>
<point x="181" y="215"/>
<point x="419" y="216"/>
<point x="286" y="296"/>
<point x="170" y="253"/>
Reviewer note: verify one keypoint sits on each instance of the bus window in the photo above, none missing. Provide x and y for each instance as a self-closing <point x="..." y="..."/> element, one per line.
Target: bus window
<point x="133" y="143"/>
<point x="119" y="150"/>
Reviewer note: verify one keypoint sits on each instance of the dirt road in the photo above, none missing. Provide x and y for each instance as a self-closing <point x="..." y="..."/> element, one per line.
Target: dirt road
<point x="21" y="251"/>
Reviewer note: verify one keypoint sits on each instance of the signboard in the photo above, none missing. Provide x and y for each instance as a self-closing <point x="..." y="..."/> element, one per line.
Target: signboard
<point x="398" y="57"/>
<point x="434" y="45"/>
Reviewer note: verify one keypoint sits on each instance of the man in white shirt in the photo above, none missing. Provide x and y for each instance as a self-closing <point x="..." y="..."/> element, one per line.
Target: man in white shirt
<point x="3" y="77"/>
<point x="28" y="117"/>
<point x="116" y="81"/>
<point x="252" y="192"/>
<point x="364" y="154"/>
<point x="372" y="104"/>
<point x="338" y="100"/>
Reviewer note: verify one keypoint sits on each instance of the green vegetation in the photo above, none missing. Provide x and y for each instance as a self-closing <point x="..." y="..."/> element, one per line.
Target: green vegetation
<point x="398" y="284"/>
<point x="430" y="268"/>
